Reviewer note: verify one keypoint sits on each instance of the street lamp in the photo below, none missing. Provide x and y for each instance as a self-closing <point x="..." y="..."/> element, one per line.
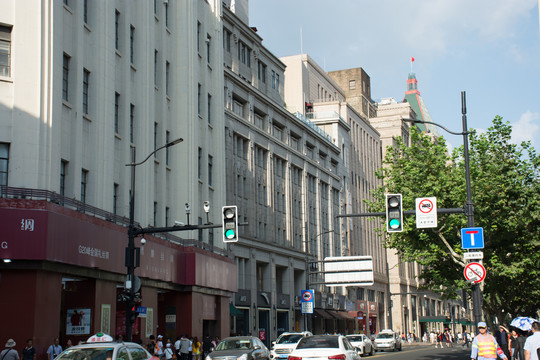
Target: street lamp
<point x="132" y="255"/>
<point x="469" y="207"/>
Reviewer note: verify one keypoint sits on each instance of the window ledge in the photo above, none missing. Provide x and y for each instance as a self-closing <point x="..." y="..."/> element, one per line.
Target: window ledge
<point x="117" y="136"/>
<point x="168" y="168"/>
<point x="209" y="66"/>
<point x="156" y="161"/>
<point x="68" y="9"/>
<point x="168" y="30"/>
<point x="133" y="67"/>
<point x="6" y="79"/>
<point x="200" y="181"/>
<point x="87" y="117"/>
<point x="156" y="88"/>
<point x="168" y="98"/>
<point x="118" y="53"/>
<point x="200" y="117"/>
<point x="66" y="104"/>
<point x="211" y="126"/>
<point x="156" y="17"/>
<point x="87" y="27"/>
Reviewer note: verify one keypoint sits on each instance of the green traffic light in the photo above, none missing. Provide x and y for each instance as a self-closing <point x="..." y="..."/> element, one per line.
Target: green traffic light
<point x="394" y="224"/>
<point x="230" y="234"/>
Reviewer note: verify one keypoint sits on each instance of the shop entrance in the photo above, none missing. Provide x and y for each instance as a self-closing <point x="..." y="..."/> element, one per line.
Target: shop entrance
<point x="264" y="326"/>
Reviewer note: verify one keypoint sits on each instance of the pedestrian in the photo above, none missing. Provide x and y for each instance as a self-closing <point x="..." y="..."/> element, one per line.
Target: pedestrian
<point x="169" y="350"/>
<point x="29" y="352"/>
<point x="54" y="350"/>
<point x="9" y="353"/>
<point x="448" y="338"/>
<point x="438" y="339"/>
<point x="196" y="349"/>
<point x="184" y="347"/>
<point x="158" y="351"/>
<point x="207" y="346"/>
<point x="151" y="346"/>
<point x="501" y="335"/>
<point x="466" y="339"/>
<point x="69" y="344"/>
<point x="516" y="344"/>
<point x="190" y="349"/>
<point x="484" y="346"/>
<point x="177" y="347"/>
<point x="532" y="344"/>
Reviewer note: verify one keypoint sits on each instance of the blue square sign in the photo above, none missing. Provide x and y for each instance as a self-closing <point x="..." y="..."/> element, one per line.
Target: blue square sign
<point x="472" y="238"/>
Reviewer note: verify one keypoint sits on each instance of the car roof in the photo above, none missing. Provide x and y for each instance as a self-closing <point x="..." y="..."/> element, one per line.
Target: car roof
<point x="239" y="338"/>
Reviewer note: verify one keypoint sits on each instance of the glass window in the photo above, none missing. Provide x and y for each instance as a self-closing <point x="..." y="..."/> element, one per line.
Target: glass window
<point x="84" y="183"/>
<point x="63" y="173"/>
<point x="138" y="354"/>
<point x="313" y="342"/>
<point x="132" y="123"/>
<point x="116" y="29"/>
<point x="132" y="44"/>
<point x="65" y="77"/>
<point x="122" y="354"/>
<point x="116" y="112"/>
<point x="210" y="165"/>
<point x="4" y="165"/>
<point x="5" y="51"/>
<point x="86" y="85"/>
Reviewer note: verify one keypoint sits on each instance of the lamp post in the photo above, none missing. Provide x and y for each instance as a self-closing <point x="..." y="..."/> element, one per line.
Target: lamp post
<point x="132" y="253"/>
<point x="469" y="206"/>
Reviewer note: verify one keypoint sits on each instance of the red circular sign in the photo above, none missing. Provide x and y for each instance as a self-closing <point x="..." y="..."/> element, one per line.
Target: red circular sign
<point x="306" y="296"/>
<point x="425" y="206"/>
<point x="474" y="272"/>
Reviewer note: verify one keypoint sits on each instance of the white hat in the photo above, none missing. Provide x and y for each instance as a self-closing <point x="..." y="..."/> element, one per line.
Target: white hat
<point x="10" y="343"/>
<point x="160" y="336"/>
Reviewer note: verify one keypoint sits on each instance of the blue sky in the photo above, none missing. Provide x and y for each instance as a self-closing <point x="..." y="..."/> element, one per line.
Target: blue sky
<point x="488" y="48"/>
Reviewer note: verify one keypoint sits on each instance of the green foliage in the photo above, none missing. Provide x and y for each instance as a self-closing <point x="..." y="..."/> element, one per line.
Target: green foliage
<point x="506" y="196"/>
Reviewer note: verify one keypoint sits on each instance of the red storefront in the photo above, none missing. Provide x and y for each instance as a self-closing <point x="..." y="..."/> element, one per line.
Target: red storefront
<point x="67" y="270"/>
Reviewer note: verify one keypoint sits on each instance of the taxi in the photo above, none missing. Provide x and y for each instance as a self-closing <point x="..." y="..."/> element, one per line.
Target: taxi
<point x="103" y="347"/>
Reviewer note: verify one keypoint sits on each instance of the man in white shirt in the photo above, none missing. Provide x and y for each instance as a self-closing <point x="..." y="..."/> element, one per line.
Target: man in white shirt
<point x="532" y="344"/>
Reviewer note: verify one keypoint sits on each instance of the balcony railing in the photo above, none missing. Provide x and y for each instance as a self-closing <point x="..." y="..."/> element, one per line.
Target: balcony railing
<point x="66" y="202"/>
<point x="313" y="126"/>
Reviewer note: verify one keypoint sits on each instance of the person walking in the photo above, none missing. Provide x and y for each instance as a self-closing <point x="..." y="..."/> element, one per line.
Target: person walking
<point x="151" y="346"/>
<point x="159" y="350"/>
<point x="207" y="346"/>
<point x="466" y="339"/>
<point x="196" y="349"/>
<point x="501" y="335"/>
<point x="9" y="353"/>
<point x="169" y="351"/>
<point x="29" y="352"/>
<point x="532" y="344"/>
<point x="185" y="344"/>
<point x="54" y="350"/>
<point x="484" y="346"/>
<point x="516" y="344"/>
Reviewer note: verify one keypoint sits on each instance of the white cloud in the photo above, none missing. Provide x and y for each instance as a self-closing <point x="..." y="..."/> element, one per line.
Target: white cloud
<point x="526" y="128"/>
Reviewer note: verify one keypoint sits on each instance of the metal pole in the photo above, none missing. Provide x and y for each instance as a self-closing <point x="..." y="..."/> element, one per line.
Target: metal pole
<point x="130" y="251"/>
<point x="469" y="208"/>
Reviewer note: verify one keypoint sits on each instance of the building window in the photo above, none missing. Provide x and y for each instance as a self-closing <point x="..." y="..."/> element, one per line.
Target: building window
<point x="167" y="76"/>
<point x="261" y="72"/>
<point x="117" y="29"/>
<point x="86" y="84"/>
<point x="167" y="211"/>
<point x="208" y="46"/>
<point x="198" y="37"/>
<point x="155" y="213"/>
<point x="4" y="165"/>
<point x="132" y="123"/>
<point x="63" y="174"/>
<point x="277" y="82"/>
<point x="115" y="199"/>
<point x="199" y="159"/>
<point x="65" y="77"/>
<point x="199" y="88"/>
<point x="273" y="79"/>
<point x="352" y="84"/>
<point x="244" y="54"/>
<point x="84" y="183"/>
<point x="66" y="2"/>
<point x="5" y="51"/>
<point x="227" y="41"/>
<point x="166" y="14"/>
<point x="167" y="140"/>
<point x="116" y="112"/>
<point x="85" y="11"/>
<point x="155" y="7"/>
<point x="132" y="44"/>
<point x="210" y="164"/>
<point x="209" y="108"/>
<point x="155" y="138"/>
<point x="155" y="67"/>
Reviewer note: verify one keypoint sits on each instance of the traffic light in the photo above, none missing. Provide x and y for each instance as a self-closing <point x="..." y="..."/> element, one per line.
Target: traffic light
<point x="133" y="314"/>
<point x="230" y="223"/>
<point x="394" y="213"/>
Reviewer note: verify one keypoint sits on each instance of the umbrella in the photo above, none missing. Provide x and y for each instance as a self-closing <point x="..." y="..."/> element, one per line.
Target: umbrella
<point x="523" y="323"/>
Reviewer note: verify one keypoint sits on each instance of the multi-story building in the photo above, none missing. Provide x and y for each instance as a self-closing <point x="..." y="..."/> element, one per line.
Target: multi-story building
<point x="283" y="173"/>
<point x="82" y="85"/>
<point x="316" y="95"/>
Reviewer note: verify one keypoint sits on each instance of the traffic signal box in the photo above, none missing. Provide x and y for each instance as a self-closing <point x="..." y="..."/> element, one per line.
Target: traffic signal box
<point x="394" y="213"/>
<point x="230" y="223"/>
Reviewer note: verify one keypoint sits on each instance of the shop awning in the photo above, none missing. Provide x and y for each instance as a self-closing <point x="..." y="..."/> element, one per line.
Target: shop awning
<point x="322" y="314"/>
<point x="233" y="311"/>
<point x="344" y="315"/>
<point x="443" y="319"/>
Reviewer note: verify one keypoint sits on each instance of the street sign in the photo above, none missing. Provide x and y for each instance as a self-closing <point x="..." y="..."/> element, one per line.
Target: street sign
<point x="142" y="311"/>
<point x="472" y="238"/>
<point x="473" y="255"/>
<point x="307" y="300"/>
<point x="474" y="272"/>
<point x="348" y="271"/>
<point x="426" y="212"/>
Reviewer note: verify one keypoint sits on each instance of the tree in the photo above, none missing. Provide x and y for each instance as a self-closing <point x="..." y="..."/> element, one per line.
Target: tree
<point x="506" y="196"/>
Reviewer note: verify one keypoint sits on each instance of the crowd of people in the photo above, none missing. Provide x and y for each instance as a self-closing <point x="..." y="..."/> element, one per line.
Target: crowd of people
<point x="183" y="348"/>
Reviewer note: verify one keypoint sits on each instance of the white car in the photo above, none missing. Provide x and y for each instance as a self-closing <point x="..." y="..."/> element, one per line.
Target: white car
<point x="102" y="346"/>
<point x="387" y="340"/>
<point x="362" y="343"/>
<point x="324" y="347"/>
<point x="286" y="343"/>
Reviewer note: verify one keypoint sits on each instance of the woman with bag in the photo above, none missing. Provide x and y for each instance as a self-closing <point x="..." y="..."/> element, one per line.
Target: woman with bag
<point x="196" y="349"/>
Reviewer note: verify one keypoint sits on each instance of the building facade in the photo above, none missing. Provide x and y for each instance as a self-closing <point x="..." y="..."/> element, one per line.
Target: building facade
<point x="86" y="83"/>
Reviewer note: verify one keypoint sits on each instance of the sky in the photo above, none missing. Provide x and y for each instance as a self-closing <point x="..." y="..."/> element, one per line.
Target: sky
<point x="488" y="48"/>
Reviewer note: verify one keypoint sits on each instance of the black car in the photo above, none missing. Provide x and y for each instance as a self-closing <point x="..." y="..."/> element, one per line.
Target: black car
<point x="240" y="348"/>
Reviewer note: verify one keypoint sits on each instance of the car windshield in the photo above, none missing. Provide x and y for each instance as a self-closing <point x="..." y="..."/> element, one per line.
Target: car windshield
<point x="314" y="342"/>
<point x="234" y="344"/>
<point x="101" y="353"/>
<point x="289" y="339"/>
<point x="354" y="338"/>
<point x="384" y="336"/>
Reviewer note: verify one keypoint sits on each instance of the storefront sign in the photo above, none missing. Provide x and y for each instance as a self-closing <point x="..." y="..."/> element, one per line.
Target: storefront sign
<point x="78" y="321"/>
